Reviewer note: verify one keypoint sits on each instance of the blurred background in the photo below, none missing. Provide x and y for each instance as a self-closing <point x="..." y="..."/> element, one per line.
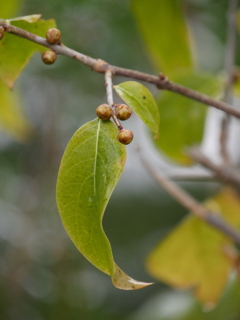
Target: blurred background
<point x="42" y="275"/>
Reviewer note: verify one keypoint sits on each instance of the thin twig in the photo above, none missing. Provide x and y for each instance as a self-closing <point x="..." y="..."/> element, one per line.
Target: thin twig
<point x="225" y="174"/>
<point x="190" y="203"/>
<point x="108" y="84"/>
<point x="192" y="177"/>
<point x="99" y="65"/>
<point x="229" y="64"/>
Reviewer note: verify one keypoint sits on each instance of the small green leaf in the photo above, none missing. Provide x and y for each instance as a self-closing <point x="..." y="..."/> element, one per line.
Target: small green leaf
<point x="90" y="169"/>
<point x="140" y="99"/>
<point x="12" y="64"/>
<point x="183" y="119"/>
<point x="12" y="119"/>
<point x="164" y="30"/>
<point x="192" y="255"/>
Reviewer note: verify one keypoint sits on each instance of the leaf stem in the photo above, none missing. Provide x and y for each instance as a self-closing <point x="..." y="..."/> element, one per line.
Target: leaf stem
<point x="108" y="84"/>
<point x="196" y="208"/>
<point x="101" y="66"/>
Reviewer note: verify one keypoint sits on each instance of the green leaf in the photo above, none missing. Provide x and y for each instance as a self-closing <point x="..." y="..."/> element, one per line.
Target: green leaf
<point x="90" y="169"/>
<point x="164" y="30"/>
<point x="140" y="99"/>
<point x="183" y="119"/>
<point x="11" y="118"/>
<point x="193" y="256"/>
<point x="12" y="64"/>
<point x="9" y="8"/>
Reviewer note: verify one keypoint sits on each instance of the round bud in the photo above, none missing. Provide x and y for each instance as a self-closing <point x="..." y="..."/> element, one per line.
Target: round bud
<point x="125" y="136"/>
<point x="123" y="112"/>
<point x="53" y="36"/>
<point x="104" y="112"/>
<point x="1" y="32"/>
<point x="49" y="57"/>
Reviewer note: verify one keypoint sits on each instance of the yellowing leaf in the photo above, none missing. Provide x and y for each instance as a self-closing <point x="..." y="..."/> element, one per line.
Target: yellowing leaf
<point x="12" y="119"/>
<point x="192" y="255"/>
<point x="164" y="30"/>
<point x="32" y="18"/>
<point x="183" y="119"/>
<point x="16" y="52"/>
<point x="90" y="169"/>
<point x="140" y="99"/>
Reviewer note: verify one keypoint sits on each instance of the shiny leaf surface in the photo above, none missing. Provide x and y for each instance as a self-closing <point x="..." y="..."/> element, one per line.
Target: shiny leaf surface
<point x="140" y="99"/>
<point x="90" y="169"/>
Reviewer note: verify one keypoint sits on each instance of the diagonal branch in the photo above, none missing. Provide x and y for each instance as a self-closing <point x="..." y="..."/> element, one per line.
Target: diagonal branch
<point x="101" y="66"/>
<point x="230" y="53"/>
<point x="225" y="174"/>
<point x="212" y="218"/>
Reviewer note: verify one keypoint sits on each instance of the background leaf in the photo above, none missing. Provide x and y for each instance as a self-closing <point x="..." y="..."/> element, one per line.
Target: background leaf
<point x="164" y="30"/>
<point x="140" y="99"/>
<point x="12" y="64"/>
<point x="182" y="119"/>
<point x="192" y="255"/>
<point x="9" y="9"/>
<point x="11" y="118"/>
<point x="90" y="169"/>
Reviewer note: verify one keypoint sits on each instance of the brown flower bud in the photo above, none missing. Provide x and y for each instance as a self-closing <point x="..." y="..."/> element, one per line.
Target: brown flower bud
<point x="104" y="112"/>
<point x="123" y="112"/>
<point x="1" y="32"/>
<point x="125" y="136"/>
<point x="49" y="57"/>
<point x="53" y="36"/>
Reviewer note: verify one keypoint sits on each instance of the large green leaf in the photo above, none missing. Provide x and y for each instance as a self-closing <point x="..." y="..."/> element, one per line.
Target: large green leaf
<point x="192" y="255"/>
<point x="16" y="52"/>
<point x="90" y="169"/>
<point x="12" y="119"/>
<point x="140" y="99"/>
<point x="182" y="119"/>
<point x="164" y="30"/>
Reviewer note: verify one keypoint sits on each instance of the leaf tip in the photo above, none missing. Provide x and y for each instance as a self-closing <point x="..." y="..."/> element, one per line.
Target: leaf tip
<point x="122" y="281"/>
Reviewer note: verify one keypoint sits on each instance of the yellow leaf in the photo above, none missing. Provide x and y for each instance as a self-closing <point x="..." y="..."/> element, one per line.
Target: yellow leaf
<point x="12" y="119"/>
<point x="192" y="255"/>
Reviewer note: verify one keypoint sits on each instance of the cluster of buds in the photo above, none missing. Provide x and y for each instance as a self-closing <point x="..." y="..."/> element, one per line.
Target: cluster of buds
<point x="53" y="36"/>
<point x="122" y="112"/>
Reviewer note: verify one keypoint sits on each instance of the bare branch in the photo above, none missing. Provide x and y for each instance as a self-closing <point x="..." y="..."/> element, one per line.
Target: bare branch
<point x="212" y="218"/>
<point x="98" y="65"/>
<point x="225" y="174"/>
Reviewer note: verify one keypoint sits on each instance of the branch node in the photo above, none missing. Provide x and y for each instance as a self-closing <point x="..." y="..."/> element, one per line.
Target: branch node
<point x="163" y="81"/>
<point x="100" y="66"/>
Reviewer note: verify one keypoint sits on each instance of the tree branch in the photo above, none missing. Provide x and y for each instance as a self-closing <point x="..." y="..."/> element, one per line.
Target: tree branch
<point x="229" y="63"/>
<point x="101" y="66"/>
<point x="212" y="218"/>
<point x="225" y="174"/>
